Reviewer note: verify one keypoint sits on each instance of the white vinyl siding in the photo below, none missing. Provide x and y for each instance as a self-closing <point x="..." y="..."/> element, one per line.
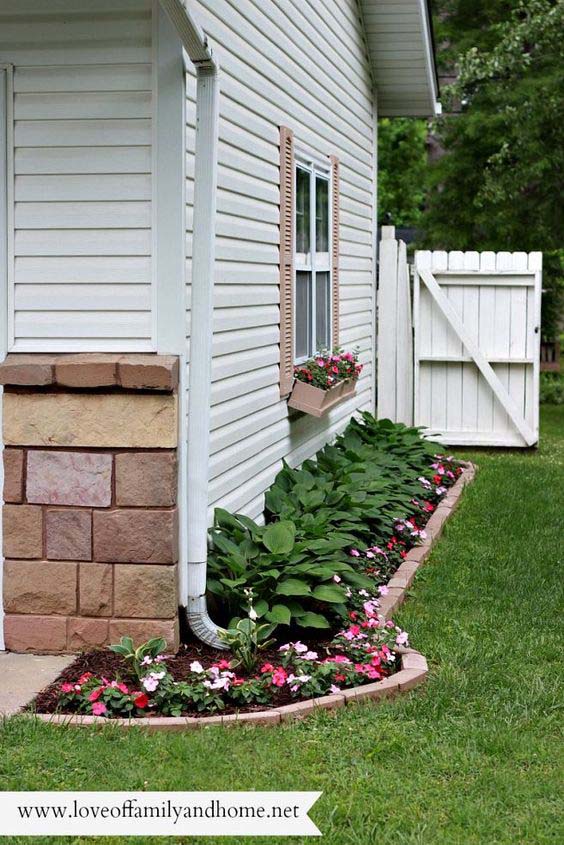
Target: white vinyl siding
<point x="80" y="268"/>
<point x="302" y="65"/>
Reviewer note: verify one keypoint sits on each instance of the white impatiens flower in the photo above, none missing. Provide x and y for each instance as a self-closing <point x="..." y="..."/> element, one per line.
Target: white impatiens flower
<point x="196" y="666"/>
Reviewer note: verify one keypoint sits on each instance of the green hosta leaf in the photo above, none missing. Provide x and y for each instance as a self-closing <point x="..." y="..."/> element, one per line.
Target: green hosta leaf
<point x="280" y="614"/>
<point x="293" y="587"/>
<point x="279" y="538"/>
<point x="329" y="593"/>
<point x="261" y="607"/>
<point x="313" y="620"/>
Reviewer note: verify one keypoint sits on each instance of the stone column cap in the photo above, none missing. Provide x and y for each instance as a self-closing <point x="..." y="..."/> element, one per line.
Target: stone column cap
<point x="132" y="371"/>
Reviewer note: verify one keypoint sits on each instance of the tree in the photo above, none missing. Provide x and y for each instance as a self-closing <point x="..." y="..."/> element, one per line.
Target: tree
<point x="402" y="167"/>
<point x="500" y="184"/>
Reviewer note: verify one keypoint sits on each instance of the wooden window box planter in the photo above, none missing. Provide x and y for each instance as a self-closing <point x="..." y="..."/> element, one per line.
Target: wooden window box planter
<point x="317" y="402"/>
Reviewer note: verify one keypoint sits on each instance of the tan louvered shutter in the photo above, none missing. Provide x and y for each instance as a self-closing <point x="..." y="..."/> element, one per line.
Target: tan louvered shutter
<point x="286" y="260"/>
<point x="335" y="225"/>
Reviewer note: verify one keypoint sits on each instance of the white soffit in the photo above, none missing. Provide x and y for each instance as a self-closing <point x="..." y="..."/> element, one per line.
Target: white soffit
<point x="400" y="46"/>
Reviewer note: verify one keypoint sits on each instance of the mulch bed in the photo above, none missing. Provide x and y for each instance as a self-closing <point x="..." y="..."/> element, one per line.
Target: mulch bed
<point x="111" y="666"/>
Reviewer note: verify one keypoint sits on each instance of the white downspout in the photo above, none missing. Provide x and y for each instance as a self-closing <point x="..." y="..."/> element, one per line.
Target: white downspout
<point x="201" y="334"/>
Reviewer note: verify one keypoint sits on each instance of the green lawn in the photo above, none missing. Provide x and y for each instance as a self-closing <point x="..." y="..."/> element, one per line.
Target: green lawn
<point x="473" y="757"/>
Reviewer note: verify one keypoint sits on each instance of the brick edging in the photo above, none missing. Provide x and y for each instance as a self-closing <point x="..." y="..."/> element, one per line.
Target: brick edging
<point x="413" y="670"/>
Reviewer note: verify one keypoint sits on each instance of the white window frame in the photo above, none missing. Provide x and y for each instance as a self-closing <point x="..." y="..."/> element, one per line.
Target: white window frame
<point x="316" y="168"/>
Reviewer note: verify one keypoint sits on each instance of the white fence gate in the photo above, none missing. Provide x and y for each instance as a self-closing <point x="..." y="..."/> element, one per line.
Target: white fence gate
<point x="476" y="344"/>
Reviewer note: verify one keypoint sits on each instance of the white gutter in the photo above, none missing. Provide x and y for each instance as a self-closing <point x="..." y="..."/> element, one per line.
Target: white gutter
<point x="427" y="33"/>
<point x="193" y="588"/>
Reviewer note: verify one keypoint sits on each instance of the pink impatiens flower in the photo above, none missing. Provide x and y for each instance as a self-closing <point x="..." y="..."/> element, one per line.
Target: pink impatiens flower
<point x="99" y="708"/>
<point x="66" y="687"/>
<point x="383" y="590"/>
<point x="279" y="677"/>
<point x="354" y="553"/>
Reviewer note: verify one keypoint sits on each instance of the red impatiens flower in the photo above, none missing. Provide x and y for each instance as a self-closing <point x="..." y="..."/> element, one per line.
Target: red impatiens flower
<point x="95" y="694"/>
<point x="437" y="479"/>
<point x="84" y="678"/>
<point x="140" y="700"/>
<point x="266" y="667"/>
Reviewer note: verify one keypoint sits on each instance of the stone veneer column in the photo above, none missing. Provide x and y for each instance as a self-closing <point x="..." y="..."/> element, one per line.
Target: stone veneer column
<point x="90" y="521"/>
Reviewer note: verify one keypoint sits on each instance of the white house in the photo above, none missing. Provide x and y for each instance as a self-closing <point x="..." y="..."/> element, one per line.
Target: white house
<point x="158" y="158"/>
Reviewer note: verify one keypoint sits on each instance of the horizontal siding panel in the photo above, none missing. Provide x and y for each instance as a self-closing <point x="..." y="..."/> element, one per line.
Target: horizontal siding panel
<point x="83" y="105"/>
<point x="229" y="319"/>
<point x="226" y="343"/>
<point x="83" y="215"/>
<point x="132" y="77"/>
<point x="67" y="188"/>
<point x="243" y="297"/>
<point x="87" y="325"/>
<point x="231" y="433"/>
<point x="90" y="297"/>
<point x="241" y="363"/>
<point x="78" y="344"/>
<point x="83" y="242"/>
<point x="231" y="388"/>
<point x="94" y="269"/>
<point x="74" y="30"/>
<point x="82" y="160"/>
<point x="83" y="133"/>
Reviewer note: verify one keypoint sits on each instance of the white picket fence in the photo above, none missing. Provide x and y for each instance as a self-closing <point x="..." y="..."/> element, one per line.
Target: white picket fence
<point x="472" y="369"/>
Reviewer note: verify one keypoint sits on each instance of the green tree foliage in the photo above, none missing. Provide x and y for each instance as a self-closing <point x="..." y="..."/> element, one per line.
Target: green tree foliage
<point x="500" y="184"/>
<point x="402" y="166"/>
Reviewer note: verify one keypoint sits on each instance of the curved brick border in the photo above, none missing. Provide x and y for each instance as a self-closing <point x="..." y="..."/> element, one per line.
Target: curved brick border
<point x="413" y="670"/>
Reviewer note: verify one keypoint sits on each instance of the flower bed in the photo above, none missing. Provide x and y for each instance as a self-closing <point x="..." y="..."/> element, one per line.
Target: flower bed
<point x="342" y="589"/>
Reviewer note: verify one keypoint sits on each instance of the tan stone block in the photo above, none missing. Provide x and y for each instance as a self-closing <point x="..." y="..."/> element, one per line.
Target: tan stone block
<point x="141" y="630"/>
<point x="95" y="589"/>
<point x="87" y="369"/>
<point x="410" y="678"/>
<point x="288" y="712"/>
<point x="22" y="531"/>
<point x="414" y="660"/>
<point x="69" y="478"/>
<point x="38" y="634"/>
<point x="68" y="534"/>
<point x="155" y="372"/>
<point x="146" y="479"/>
<point x="84" y="634"/>
<point x="136" y="536"/>
<point x="39" y="587"/>
<point x="13" y="475"/>
<point x="26" y="369"/>
<point x="380" y="689"/>
<point x="419" y="553"/>
<point x="101" y="420"/>
<point x="329" y="702"/>
<point x="141" y="590"/>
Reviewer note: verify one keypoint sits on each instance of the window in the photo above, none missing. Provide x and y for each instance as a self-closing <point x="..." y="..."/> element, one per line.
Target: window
<point x="312" y="259"/>
<point x="309" y="256"/>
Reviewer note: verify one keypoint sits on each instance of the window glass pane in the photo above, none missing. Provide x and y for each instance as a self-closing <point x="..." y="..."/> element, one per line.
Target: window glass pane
<point x="302" y="210"/>
<point x="321" y="215"/>
<point x="303" y="314"/>
<point x="322" y="311"/>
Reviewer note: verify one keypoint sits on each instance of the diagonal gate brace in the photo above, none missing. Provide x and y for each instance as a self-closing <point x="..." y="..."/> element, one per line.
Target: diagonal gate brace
<point x="483" y="365"/>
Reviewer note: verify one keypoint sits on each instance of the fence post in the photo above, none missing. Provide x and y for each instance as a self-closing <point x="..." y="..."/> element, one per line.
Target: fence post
<point x="387" y="293"/>
<point x="395" y="343"/>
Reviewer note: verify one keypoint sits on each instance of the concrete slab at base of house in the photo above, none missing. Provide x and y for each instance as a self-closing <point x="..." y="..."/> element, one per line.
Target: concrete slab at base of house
<point x="24" y="675"/>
